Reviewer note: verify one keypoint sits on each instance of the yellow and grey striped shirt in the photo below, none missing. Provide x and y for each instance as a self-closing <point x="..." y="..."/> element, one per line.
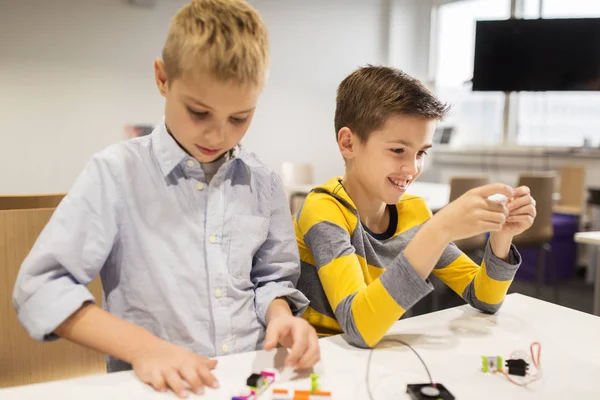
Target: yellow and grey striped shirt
<point x="360" y="283"/>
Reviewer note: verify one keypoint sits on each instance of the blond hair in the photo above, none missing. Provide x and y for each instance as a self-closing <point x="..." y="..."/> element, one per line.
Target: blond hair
<point x="370" y="95"/>
<point x="226" y="38"/>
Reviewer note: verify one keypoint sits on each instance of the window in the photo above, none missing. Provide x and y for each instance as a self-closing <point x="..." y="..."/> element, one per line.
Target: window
<point x="544" y="119"/>
<point x="476" y="116"/>
<point x="559" y="118"/>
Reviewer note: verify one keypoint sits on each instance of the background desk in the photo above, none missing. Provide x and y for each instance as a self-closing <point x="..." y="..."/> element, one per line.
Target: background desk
<point x="593" y="238"/>
<point x="451" y="342"/>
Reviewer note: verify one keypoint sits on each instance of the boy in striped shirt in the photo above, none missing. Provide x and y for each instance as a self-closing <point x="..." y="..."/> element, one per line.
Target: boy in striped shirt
<point x="366" y="247"/>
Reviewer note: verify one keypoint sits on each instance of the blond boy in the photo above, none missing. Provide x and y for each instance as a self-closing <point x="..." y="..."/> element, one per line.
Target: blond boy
<point x="366" y="247"/>
<point x="189" y="232"/>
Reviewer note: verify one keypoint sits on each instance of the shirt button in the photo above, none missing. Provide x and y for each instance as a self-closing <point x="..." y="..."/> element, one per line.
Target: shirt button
<point x="200" y="186"/>
<point x="212" y="239"/>
<point x="190" y="163"/>
<point x="218" y="293"/>
<point x="225" y="348"/>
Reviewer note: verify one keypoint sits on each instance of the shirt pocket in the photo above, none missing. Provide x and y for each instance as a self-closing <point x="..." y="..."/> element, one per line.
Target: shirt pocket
<point x="247" y="233"/>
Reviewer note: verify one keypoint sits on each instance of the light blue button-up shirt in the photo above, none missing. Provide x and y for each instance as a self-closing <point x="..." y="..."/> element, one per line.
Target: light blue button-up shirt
<point x="195" y="263"/>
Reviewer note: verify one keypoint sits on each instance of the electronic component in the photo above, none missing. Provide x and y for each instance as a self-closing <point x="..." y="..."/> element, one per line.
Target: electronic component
<point x="246" y="394"/>
<point x="256" y="384"/>
<point x="428" y="391"/>
<point x="255" y="381"/>
<point x="314" y="383"/>
<point x="517" y="367"/>
<point x="491" y="363"/>
<point x="285" y="394"/>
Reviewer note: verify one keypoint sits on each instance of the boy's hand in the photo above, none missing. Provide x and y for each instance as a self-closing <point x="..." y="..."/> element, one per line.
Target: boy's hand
<point x="168" y="366"/>
<point x="521" y="213"/>
<point x="473" y="213"/>
<point x="296" y="334"/>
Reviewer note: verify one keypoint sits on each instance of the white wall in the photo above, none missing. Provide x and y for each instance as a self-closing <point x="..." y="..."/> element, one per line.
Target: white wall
<point x="73" y="72"/>
<point x="314" y="45"/>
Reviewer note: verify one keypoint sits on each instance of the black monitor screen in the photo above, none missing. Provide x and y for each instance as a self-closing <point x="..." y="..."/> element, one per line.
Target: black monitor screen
<point x="537" y="55"/>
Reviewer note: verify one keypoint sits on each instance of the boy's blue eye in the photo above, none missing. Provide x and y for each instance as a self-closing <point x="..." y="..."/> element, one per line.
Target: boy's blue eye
<point x="422" y="153"/>
<point x="397" y="151"/>
<point x="238" y="120"/>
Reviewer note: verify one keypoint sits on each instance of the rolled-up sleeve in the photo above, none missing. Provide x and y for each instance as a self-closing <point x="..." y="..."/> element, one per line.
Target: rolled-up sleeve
<point x="69" y="253"/>
<point x="276" y="264"/>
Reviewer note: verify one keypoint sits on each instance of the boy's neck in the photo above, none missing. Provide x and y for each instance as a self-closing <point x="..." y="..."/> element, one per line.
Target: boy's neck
<point x="373" y="213"/>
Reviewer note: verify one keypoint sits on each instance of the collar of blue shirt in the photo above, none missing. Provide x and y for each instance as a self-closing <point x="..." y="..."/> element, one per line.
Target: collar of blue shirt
<point x="169" y="154"/>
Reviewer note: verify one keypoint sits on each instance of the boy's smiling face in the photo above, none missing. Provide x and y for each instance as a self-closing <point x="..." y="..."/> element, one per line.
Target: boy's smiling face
<point x="391" y="158"/>
<point x="207" y="117"/>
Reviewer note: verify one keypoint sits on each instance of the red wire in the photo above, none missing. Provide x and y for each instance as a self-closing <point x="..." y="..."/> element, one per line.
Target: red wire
<point x="536" y="361"/>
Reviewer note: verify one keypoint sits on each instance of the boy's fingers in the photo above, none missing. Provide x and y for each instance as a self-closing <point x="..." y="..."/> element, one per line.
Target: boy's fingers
<point x="312" y="355"/>
<point x="298" y="348"/>
<point x="495" y="188"/>
<point x="272" y="337"/>
<point x="176" y="383"/>
<point x="210" y="363"/>
<point x="492" y="216"/>
<point x="528" y="210"/>
<point x="191" y="377"/>
<point x="522" y="191"/>
<point x="520" y="218"/>
<point x="496" y="207"/>
<point x="489" y="226"/>
<point x="157" y="380"/>
<point x="520" y="202"/>
<point x="207" y="377"/>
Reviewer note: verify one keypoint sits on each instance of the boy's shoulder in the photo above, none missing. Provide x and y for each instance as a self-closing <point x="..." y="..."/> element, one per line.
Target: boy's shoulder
<point x="413" y="208"/>
<point x="327" y="203"/>
<point x="253" y="161"/>
<point x="124" y="154"/>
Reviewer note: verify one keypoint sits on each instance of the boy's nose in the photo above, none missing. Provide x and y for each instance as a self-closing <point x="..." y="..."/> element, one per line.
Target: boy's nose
<point x="410" y="169"/>
<point x="216" y="134"/>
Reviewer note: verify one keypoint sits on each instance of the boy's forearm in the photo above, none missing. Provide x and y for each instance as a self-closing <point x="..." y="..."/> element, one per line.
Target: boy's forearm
<point x="500" y="245"/>
<point x="95" y="328"/>
<point x="426" y="248"/>
<point x="278" y="307"/>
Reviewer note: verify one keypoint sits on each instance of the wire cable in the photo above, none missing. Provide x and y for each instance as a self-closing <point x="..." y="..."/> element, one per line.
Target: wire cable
<point x="390" y="340"/>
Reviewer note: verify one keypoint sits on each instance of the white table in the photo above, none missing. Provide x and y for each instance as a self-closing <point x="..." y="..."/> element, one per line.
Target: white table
<point x="451" y="342"/>
<point x="436" y="195"/>
<point x="593" y="238"/>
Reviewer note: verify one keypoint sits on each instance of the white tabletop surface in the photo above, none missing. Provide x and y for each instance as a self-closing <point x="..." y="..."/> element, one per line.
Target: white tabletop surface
<point x="436" y="195"/>
<point x="451" y="342"/>
<point x="592" y="238"/>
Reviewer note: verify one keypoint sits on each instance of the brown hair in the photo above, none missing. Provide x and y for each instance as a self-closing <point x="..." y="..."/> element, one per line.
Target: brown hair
<point x="368" y="96"/>
<point x="225" y="38"/>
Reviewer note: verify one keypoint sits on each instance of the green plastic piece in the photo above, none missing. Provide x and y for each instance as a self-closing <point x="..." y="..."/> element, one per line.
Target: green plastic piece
<point x="491" y="364"/>
<point x="314" y="383"/>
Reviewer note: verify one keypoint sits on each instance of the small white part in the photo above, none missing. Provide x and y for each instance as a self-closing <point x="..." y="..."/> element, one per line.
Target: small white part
<point x="499" y="198"/>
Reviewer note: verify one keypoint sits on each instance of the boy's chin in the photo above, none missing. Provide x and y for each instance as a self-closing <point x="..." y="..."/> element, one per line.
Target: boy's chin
<point x="392" y="198"/>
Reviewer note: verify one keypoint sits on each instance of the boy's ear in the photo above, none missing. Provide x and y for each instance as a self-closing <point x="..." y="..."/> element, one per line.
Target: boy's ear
<point x="160" y="76"/>
<point x="346" y="141"/>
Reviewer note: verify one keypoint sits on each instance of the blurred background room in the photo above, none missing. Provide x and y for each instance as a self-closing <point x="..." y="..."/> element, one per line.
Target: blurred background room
<point x="523" y="78"/>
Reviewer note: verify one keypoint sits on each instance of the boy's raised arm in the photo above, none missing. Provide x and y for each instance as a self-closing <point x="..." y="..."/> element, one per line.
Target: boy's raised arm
<point x="469" y="215"/>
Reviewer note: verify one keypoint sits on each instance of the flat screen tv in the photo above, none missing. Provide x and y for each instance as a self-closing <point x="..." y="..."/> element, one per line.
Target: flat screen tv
<point x="537" y="55"/>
